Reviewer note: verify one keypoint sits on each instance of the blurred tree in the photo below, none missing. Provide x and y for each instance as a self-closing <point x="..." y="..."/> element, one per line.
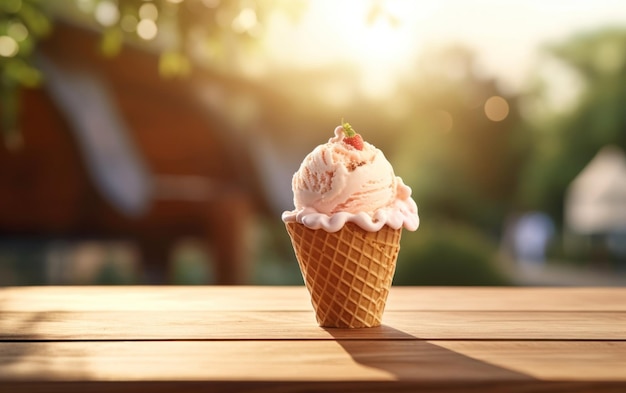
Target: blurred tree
<point x="449" y="254"/>
<point x="209" y="33"/>
<point x="22" y="24"/>
<point x="565" y="141"/>
<point x="466" y="145"/>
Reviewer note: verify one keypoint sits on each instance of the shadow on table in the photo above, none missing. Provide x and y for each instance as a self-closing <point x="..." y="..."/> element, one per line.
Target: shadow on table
<point x="21" y="338"/>
<point x="406" y="357"/>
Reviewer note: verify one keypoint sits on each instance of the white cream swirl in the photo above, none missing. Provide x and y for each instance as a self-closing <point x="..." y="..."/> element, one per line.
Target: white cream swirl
<point x="403" y="213"/>
<point x="337" y="183"/>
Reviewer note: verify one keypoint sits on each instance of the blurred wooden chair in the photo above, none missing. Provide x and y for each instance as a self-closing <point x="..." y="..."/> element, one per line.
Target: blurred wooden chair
<point x="112" y="150"/>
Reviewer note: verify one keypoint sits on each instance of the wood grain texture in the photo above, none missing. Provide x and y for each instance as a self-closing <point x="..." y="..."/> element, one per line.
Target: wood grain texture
<point x="296" y="298"/>
<point x="232" y="339"/>
<point x="242" y="360"/>
<point x="550" y="360"/>
<point x="445" y="365"/>
<point x="274" y="325"/>
<point x="502" y="386"/>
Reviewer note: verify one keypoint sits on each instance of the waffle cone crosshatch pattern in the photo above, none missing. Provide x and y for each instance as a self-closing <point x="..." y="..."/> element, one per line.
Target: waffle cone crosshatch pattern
<point x="348" y="273"/>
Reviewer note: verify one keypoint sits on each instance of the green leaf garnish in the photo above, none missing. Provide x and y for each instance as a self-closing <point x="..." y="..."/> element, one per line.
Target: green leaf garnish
<point x="347" y="129"/>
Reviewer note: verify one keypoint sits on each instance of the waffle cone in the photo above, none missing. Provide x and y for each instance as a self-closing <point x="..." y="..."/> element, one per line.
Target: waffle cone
<point x="348" y="273"/>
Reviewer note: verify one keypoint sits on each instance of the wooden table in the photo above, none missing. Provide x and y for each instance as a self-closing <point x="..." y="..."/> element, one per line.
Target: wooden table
<point x="173" y="339"/>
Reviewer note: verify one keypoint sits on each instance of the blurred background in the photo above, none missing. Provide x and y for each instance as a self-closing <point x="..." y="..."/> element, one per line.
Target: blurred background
<point x="153" y="141"/>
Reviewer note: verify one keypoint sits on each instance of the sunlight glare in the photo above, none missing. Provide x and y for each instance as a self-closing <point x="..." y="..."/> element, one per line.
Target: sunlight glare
<point x="381" y="41"/>
<point x="376" y="38"/>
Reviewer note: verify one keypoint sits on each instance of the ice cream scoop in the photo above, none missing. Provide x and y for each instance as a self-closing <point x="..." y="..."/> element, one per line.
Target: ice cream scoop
<point x="350" y="209"/>
<point x="346" y="181"/>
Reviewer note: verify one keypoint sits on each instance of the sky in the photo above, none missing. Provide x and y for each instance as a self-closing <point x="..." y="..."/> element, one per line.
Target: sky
<point x="506" y="35"/>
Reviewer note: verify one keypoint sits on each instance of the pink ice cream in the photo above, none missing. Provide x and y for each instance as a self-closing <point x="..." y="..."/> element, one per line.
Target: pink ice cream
<point x="337" y="183"/>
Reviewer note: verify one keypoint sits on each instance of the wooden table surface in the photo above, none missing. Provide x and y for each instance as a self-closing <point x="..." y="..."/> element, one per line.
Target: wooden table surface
<point x="171" y="339"/>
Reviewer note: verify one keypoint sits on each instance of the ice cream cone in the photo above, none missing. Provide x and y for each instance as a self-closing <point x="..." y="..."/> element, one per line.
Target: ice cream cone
<point x="348" y="273"/>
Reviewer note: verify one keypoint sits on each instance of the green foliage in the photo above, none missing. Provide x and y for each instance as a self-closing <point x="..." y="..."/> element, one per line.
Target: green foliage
<point x="111" y="41"/>
<point x="205" y="33"/>
<point x="565" y="142"/>
<point x="174" y="63"/>
<point x="182" y="28"/>
<point x="464" y="165"/>
<point x="275" y="261"/>
<point x="22" y="24"/>
<point x="448" y="254"/>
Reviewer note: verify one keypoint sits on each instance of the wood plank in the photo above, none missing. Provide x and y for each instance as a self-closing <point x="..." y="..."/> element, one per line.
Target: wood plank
<point x="507" y="299"/>
<point x="272" y="298"/>
<point x="154" y="298"/>
<point x="266" y="338"/>
<point x="550" y="360"/>
<point x="242" y="325"/>
<point x="243" y="360"/>
<point x="500" y="386"/>
<point x="441" y="365"/>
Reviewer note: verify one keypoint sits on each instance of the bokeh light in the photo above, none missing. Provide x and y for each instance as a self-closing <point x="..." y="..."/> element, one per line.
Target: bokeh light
<point x="147" y="29"/>
<point x="107" y="13"/>
<point x="18" y="31"/>
<point x="245" y="21"/>
<point x="8" y="46"/>
<point x="148" y="11"/>
<point x="496" y="108"/>
<point x="129" y="23"/>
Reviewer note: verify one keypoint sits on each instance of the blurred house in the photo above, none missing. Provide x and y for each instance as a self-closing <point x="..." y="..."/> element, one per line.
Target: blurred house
<point x="113" y="150"/>
<point x="595" y="204"/>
